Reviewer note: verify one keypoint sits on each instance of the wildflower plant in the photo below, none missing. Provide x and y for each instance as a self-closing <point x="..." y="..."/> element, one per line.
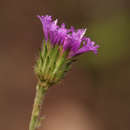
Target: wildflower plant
<point x="60" y="49"/>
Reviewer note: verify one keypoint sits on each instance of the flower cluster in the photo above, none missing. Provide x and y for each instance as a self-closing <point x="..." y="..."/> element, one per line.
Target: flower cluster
<point x="71" y="39"/>
<point x="60" y="47"/>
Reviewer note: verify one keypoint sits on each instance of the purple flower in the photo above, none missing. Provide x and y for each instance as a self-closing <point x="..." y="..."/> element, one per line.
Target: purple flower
<point x="72" y="40"/>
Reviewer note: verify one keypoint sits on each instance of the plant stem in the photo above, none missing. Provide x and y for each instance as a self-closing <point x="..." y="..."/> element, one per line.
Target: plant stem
<point x="35" y="117"/>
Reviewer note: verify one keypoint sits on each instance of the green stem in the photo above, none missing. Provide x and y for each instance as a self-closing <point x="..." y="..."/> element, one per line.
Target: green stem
<point x="35" y="117"/>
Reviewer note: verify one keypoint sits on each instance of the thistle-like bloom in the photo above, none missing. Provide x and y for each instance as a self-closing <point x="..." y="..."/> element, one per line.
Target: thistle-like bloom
<point x="59" y="50"/>
<point x="60" y="47"/>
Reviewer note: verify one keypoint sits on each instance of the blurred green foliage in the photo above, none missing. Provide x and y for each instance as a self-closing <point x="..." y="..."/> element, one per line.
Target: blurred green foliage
<point x="112" y="36"/>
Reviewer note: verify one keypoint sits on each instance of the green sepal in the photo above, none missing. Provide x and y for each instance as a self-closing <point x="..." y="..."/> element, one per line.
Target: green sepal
<point x="53" y="63"/>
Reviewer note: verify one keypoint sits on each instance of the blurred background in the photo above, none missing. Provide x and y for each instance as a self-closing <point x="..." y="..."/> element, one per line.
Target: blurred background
<point x="95" y="94"/>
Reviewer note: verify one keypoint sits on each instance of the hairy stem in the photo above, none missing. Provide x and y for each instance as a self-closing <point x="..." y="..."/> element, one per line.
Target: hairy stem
<point x="35" y="117"/>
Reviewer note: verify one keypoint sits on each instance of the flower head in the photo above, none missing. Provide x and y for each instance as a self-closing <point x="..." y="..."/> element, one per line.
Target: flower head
<point x="60" y="48"/>
<point x="70" y="39"/>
